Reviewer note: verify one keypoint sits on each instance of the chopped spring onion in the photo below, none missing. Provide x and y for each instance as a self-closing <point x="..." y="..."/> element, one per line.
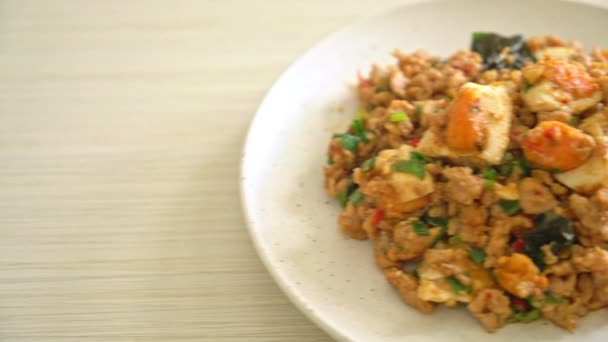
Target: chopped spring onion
<point x="506" y="169"/>
<point x="417" y="112"/>
<point x="379" y="90"/>
<point x="342" y="199"/>
<point x="478" y="255"/>
<point x="489" y="174"/>
<point x="343" y="196"/>
<point x="441" y="222"/>
<point x="525" y="317"/>
<point x="350" y="142"/>
<point x="523" y="165"/>
<point x="548" y="298"/>
<point x="506" y="165"/>
<point x="398" y="117"/>
<point x="573" y="121"/>
<point x="357" y="126"/>
<point x="415" y="273"/>
<point x="420" y="228"/>
<point x="361" y="113"/>
<point x="457" y="286"/>
<point x="552" y="299"/>
<point x="422" y="157"/>
<point x="508" y="156"/>
<point x="368" y="164"/>
<point x="510" y="207"/>
<point x="355" y="197"/>
<point x="455" y="240"/>
<point x="412" y="166"/>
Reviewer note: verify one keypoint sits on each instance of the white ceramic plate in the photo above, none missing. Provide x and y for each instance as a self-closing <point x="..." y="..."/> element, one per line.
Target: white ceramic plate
<point x="333" y="280"/>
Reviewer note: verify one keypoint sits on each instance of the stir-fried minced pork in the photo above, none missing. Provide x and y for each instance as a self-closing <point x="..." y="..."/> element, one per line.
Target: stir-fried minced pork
<point x="487" y="171"/>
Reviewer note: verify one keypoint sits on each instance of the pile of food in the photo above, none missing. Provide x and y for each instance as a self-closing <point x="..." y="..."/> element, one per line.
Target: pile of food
<point x="482" y="179"/>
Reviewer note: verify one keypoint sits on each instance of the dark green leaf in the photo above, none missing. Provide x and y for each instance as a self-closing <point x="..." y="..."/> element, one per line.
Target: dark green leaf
<point x="510" y="207"/>
<point x="527" y="86"/>
<point x="355" y="197"/>
<point x="420" y="228"/>
<point x="457" y="286"/>
<point x="490" y="47"/>
<point x="478" y="255"/>
<point x="379" y="90"/>
<point x="555" y="170"/>
<point x="368" y="164"/>
<point x="350" y="142"/>
<point x="549" y="228"/>
<point x="330" y="160"/>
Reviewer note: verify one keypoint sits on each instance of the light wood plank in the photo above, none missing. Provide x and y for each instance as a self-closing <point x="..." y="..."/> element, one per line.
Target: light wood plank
<point x="121" y="126"/>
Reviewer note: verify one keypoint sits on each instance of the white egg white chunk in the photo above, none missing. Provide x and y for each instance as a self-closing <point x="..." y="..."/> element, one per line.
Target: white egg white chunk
<point x="408" y="186"/>
<point x="588" y="177"/>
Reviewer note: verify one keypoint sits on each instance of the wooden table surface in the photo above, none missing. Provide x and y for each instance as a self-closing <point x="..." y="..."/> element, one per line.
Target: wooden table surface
<point x="121" y="126"/>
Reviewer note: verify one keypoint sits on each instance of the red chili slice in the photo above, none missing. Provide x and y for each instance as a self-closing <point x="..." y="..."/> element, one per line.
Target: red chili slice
<point x="520" y="304"/>
<point x="518" y="246"/>
<point x="378" y="216"/>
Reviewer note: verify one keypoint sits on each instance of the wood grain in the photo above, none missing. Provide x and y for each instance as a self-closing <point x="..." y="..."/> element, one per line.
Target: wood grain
<point x="121" y="126"/>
